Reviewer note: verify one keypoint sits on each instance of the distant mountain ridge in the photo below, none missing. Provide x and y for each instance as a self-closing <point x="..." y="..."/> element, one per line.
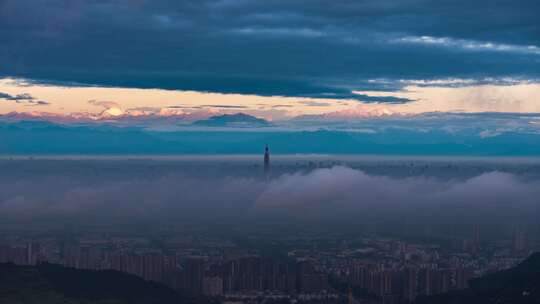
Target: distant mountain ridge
<point x="37" y="137"/>
<point x="239" y="120"/>
<point x="110" y="115"/>
<point x="141" y="119"/>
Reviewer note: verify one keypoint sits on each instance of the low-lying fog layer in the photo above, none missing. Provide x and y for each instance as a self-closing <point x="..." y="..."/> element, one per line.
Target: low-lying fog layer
<point x="366" y="191"/>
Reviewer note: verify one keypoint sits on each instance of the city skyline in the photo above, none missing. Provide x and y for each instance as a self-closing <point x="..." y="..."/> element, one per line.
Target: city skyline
<point x="269" y="151"/>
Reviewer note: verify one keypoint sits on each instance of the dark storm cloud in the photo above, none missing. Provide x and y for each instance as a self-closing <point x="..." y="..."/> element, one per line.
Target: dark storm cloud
<point x="383" y="99"/>
<point x="17" y="98"/>
<point x="41" y="103"/>
<point x="23" y="98"/>
<point x="293" y="48"/>
<point x="183" y="107"/>
<point x="225" y="106"/>
<point x="315" y="103"/>
<point x="103" y="103"/>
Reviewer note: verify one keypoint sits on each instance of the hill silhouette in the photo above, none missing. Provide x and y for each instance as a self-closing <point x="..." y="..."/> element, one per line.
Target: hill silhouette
<point x="49" y="283"/>
<point x="239" y="120"/>
<point x="518" y="285"/>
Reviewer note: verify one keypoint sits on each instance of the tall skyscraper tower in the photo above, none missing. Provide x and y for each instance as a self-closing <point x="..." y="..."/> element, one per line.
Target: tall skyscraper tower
<point x="266" y="161"/>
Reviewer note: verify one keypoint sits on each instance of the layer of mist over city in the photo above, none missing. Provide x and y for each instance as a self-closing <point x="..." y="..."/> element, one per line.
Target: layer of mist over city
<point x="409" y="197"/>
<point x="269" y="152"/>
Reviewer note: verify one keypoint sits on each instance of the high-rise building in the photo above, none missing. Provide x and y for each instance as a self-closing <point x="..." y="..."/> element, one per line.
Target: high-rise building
<point x="308" y="280"/>
<point x="462" y="277"/>
<point x="212" y="286"/>
<point x="410" y="284"/>
<point x="266" y="161"/>
<point x="425" y="280"/>
<point x="519" y="240"/>
<point x="476" y="235"/>
<point x="194" y="274"/>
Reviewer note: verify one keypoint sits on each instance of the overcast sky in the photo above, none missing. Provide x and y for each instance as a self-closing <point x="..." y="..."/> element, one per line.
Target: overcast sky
<point x="278" y="59"/>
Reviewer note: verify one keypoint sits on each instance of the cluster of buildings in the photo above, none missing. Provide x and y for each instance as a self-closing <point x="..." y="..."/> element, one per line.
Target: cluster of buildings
<point x="325" y="269"/>
<point x="212" y="270"/>
<point x="398" y="281"/>
<point x="250" y="273"/>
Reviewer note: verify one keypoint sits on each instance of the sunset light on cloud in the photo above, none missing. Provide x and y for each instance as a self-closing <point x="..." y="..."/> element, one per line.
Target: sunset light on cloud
<point x="110" y="102"/>
<point x="136" y="102"/>
<point x="269" y="151"/>
<point x="356" y="68"/>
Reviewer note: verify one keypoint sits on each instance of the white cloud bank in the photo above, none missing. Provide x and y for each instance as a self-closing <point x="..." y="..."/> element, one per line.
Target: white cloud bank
<point x="339" y="193"/>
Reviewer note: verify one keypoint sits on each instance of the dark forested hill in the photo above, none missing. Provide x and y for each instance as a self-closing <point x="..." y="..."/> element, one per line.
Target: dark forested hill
<point x="518" y="285"/>
<point x="48" y="283"/>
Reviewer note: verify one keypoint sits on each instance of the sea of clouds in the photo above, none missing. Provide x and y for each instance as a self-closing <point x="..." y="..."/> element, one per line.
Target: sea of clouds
<point x="111" y="192"/>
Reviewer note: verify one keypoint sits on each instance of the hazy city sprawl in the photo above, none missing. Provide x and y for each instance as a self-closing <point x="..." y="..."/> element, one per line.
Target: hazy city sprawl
<point x="269" y="152"/>
<point x="255" y="229"/>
